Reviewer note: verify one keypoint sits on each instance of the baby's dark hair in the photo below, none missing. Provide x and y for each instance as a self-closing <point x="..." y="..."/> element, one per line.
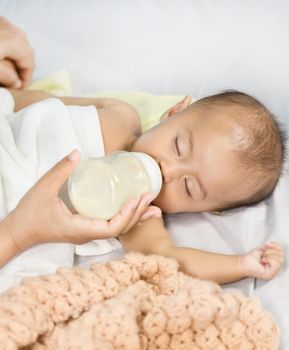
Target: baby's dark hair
<point x="258" y="139"/>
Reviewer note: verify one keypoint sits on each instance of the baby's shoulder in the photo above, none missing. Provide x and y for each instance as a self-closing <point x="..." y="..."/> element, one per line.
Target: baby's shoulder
<point x="120" y="125"/>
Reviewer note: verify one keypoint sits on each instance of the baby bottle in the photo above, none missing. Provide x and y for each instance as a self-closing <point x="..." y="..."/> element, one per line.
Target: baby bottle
<point x="99" y="187"/>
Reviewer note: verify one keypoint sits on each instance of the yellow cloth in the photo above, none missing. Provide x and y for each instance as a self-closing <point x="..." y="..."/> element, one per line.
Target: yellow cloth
<point x="57" y="83"/>
<point x="149" y="106"/>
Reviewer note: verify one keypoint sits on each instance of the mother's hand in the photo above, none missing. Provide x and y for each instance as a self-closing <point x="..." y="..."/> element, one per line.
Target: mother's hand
<point x="41" y="216"/>
<point x="16" y="56"/>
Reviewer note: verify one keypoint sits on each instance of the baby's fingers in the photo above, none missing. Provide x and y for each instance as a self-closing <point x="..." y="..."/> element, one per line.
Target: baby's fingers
<point x="271" y="257"/>
<point x="273" y="245"/>
<point x="272" y="248"/>
<point x="272" y="265"/>
<point x="272" y="260"/>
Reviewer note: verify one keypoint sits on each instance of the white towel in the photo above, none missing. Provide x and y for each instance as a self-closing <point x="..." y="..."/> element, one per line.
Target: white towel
<point x="31" y="142"/>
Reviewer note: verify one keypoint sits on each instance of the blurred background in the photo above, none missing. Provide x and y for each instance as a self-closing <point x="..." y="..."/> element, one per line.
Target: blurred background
<point x="195" y="47"/>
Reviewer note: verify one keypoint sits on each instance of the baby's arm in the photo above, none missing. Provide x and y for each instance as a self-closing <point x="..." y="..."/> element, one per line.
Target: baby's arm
<point x="151" y="237"/>
<point x="120" y="122"/>
<point x="25" y="98"/>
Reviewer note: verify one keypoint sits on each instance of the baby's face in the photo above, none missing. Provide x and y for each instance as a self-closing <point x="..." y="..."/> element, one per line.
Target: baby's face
<point x="196" y="160"/>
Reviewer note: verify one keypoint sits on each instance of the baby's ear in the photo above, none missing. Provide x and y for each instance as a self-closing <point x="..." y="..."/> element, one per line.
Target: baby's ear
<point x="179" y="107"/>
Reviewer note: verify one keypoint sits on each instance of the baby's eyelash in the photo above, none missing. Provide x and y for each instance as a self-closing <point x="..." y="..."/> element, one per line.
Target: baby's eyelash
<point x="175" y="145"/>
<point x="187" y="189"/>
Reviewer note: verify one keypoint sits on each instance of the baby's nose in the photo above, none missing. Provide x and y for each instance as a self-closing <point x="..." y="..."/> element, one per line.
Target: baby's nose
<point x="169" y="170"/>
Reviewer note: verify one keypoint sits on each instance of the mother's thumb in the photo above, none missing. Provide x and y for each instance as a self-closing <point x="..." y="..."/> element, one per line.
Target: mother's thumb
<point x="56" y="176"/>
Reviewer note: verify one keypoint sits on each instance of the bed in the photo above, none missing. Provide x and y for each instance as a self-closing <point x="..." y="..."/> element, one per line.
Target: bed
<point x="194" y="47"/>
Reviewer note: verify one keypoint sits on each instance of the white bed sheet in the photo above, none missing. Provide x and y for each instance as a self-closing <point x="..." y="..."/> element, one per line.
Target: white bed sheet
<point x="192" y="47"/>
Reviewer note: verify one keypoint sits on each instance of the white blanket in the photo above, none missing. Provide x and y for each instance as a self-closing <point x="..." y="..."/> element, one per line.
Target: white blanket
<point x="31" y="142"/>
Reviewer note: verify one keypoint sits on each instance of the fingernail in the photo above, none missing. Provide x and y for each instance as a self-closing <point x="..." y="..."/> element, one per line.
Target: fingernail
<point x="151" y="215"/>
<point x="72" y="156"/>
<point x="18" y="84"/>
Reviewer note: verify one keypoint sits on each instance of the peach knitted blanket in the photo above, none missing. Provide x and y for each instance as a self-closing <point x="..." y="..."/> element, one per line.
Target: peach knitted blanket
<point x="138" y="302"/>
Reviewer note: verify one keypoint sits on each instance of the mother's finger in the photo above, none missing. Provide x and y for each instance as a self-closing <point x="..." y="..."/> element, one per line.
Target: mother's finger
<point x="54" y="179"/>
<point x="90" y="229"/>
<point x="140" y="211"/>
<point x="22" y="56"/>
<point x="152" y="211"/>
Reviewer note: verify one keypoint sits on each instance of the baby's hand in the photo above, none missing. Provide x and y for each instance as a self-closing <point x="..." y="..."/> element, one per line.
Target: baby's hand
<point x="264" y="262"/>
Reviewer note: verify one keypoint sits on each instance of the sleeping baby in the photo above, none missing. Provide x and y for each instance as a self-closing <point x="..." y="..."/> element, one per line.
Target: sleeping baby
<point x="218" y="153"/>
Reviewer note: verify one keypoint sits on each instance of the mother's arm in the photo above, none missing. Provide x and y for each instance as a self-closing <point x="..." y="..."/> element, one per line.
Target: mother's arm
<point x="8" y="247"/>
<point x="42" y="217"/>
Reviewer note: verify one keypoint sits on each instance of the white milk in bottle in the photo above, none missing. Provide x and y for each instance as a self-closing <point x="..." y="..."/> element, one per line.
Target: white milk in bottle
<point x="99" y="187"/>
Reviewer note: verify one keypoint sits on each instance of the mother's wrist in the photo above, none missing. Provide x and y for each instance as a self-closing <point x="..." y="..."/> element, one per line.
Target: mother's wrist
<point x="8" y="246"/>
<point x="17" y="232"/>
<point x="6" y="228"/>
